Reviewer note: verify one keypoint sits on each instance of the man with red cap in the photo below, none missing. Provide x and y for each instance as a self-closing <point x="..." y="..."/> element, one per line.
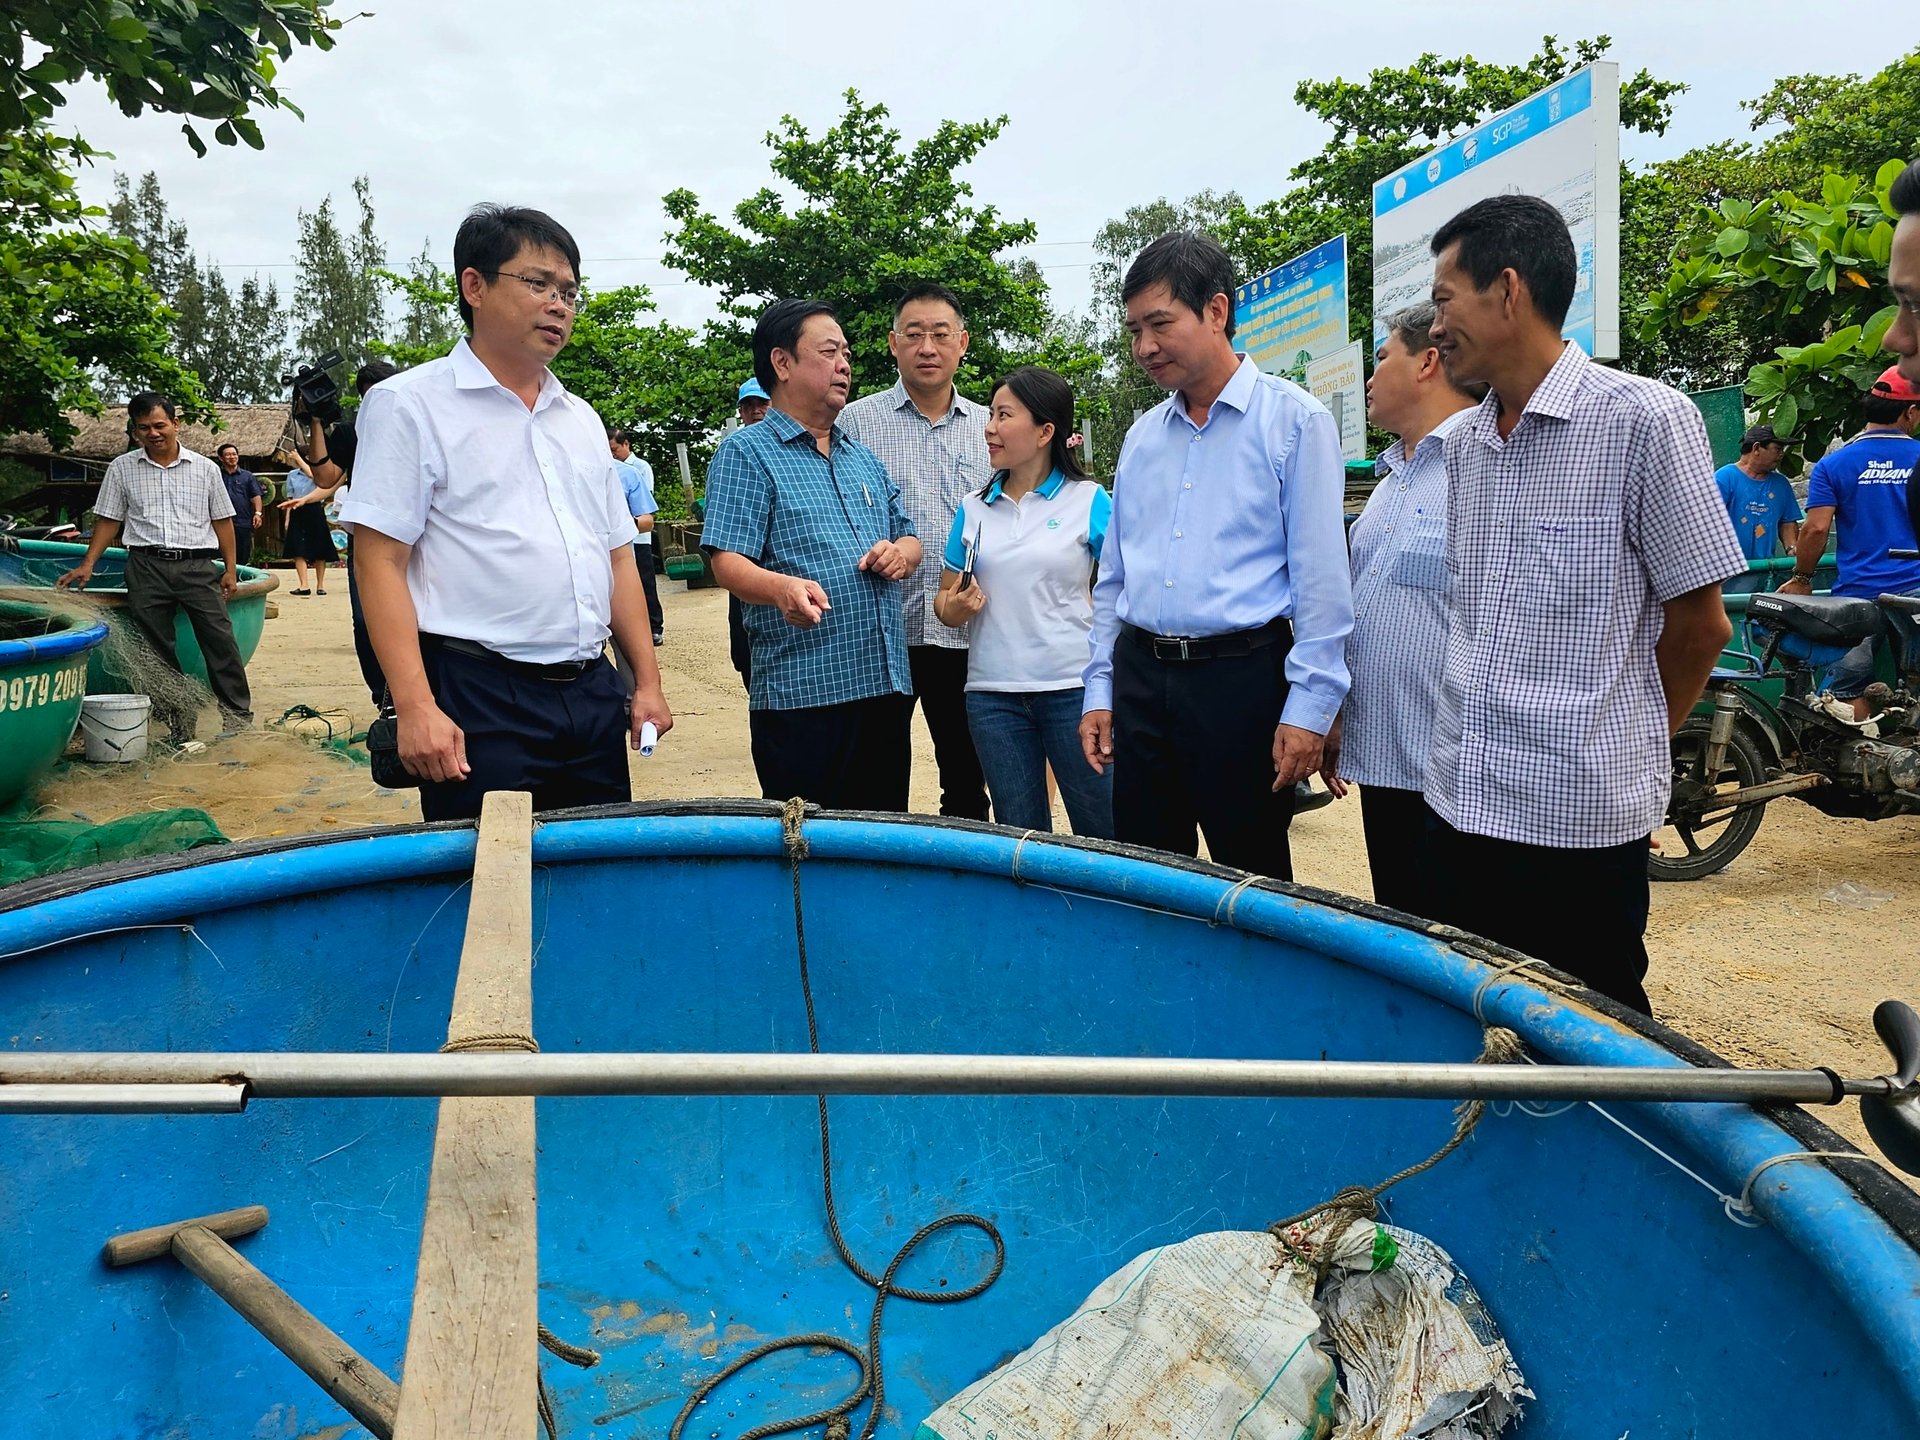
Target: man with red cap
<point x="1864" y="485"/>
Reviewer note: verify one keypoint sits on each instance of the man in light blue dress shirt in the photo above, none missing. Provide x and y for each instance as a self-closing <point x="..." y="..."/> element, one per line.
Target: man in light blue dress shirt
<point x="1223" y="604"/>
<point x="1400" y="587"/>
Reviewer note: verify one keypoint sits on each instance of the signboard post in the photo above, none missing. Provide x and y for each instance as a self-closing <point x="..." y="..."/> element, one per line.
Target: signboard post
<point x="1562" y="145"/>
<point x="1296" y="312"/>
<point x="1339" y="382"/>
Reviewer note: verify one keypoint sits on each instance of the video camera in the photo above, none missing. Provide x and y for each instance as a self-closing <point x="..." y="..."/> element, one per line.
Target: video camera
<point x="315" y="392"/>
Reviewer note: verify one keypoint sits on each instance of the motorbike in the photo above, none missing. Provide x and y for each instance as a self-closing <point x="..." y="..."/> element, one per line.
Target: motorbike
<point x="1760" y="732"/>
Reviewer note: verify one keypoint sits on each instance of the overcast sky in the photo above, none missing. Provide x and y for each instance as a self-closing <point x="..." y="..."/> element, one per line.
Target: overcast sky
<point x="594" y="109"/>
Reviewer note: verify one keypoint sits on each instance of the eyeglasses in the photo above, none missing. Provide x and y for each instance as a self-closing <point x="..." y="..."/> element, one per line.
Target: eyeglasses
<point x="942" y="335"/>
<point x="568" y="295"/>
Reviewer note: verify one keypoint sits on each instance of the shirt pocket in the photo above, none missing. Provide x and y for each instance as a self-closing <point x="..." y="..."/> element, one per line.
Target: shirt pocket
<point x="1565" y="563"/>
<point x="1422" y="562"/>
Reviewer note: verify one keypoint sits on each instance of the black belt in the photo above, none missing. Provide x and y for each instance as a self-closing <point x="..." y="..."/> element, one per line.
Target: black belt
<point x="561" y="671"/>
<point x="171" y="552"/>
<point x="1276" y="631"/>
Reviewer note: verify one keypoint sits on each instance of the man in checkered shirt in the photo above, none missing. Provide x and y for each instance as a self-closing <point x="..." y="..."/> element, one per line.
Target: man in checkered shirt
<point x="807" y="528"/>
<point x="1586" y="543"/>
<point x="172" y="504"/>
<point x="933" y="441"/>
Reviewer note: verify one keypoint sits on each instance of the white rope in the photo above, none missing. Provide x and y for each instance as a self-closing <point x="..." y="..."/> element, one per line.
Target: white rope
<point x="1020" y="845"/>
<point x="1231" y="898"/>
<point x="118" y="930"/>
<point x="1493" y="978"/>
<point x="1745" y="1203"/>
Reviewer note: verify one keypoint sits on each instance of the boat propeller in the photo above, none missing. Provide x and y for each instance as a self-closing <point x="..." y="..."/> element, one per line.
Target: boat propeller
<point x="1893" y="1119"/>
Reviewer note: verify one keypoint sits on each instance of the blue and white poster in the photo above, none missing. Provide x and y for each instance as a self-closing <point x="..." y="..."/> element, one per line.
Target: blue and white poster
<point x="1295" y="313"/>
<point x="1562" y="145"/>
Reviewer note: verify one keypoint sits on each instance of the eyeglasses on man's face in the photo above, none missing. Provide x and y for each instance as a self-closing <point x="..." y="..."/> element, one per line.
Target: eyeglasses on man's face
<point x="917" y="335"/>
<point x="566" y="292"/>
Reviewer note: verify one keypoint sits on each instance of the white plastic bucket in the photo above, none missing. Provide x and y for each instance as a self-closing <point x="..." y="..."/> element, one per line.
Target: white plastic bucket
<point x="114" y="727"/>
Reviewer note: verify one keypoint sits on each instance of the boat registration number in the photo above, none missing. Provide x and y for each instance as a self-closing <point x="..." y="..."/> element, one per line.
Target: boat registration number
<point x="29" y="692"/>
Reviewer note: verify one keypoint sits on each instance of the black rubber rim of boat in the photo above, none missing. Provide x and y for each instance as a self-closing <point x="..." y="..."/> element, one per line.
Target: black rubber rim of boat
<point x="1893" y="1201"/>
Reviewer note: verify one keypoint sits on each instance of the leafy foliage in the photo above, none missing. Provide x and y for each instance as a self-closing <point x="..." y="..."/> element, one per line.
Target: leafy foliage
<point x="873" y="217"/>
<point x="339" y="299"/>
<point x="1810" y="272"/>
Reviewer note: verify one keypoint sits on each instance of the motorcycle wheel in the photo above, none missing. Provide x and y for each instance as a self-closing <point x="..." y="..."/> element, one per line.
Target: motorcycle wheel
<point x="1698" y="841"/>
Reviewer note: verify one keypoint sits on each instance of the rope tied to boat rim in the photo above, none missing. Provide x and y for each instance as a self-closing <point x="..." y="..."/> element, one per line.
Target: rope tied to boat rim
<point x="838" y="1417"/>
<point x="552" y="1343"/>
<point x="1499" y="1046"/>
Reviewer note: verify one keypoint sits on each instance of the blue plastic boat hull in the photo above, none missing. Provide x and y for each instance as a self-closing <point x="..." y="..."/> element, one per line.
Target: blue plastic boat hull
<point x="677" y="1233"/>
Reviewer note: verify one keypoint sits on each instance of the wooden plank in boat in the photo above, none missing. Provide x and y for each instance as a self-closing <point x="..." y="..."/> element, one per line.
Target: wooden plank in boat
<point x="472" y="1358"/>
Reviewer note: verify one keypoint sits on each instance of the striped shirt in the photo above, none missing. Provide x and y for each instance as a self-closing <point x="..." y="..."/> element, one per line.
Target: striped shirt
<point x="936" y="463"/>
<point x="168" y="505"/>
<point x="774" y="498"/>
<point x="1399" y="559"/>
<point x="1564" y="540"/>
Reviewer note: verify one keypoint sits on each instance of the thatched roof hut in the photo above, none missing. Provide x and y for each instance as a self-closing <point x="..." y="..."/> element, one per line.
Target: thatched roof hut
<point x="256" y="429"/>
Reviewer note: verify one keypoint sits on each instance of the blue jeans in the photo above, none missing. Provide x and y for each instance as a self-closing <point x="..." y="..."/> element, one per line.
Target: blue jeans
<point x="1016" y="734"/>
<point x="1850" y="675"/>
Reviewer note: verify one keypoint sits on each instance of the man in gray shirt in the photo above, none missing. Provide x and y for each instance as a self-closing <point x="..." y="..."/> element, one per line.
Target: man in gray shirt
<point x="933" y="441"/>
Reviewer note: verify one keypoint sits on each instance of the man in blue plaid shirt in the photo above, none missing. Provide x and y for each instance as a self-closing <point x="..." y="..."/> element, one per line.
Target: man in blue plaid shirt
<point x="807" y="529"/>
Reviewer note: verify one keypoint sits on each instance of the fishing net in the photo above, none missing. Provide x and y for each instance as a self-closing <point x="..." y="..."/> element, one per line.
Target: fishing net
<point x="123" y="654"/>
<point x="254" y="785"/>
<point x="30" y="846"/>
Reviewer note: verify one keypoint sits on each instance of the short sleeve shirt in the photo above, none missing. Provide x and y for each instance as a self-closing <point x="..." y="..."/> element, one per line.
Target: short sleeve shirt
<point x="1034" y="560"/>
<point x="173" y="506"/>
<point x="774" y="498"/>
<point x="1867" y="484"/>
<point x="636" y="478"/>
<point x="243" y="488"/>
<point x="1564" y="540"/>
<point x="1758" y="508"/>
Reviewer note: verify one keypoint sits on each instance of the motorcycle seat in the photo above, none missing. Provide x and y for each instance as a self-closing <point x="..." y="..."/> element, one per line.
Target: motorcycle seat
<point x="1824" y="619"/>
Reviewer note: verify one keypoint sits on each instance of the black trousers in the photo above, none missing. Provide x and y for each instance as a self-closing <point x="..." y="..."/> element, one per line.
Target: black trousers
<point x="1400" y="849"/>
<point x="370" y="671"/>
<point x="643" y="558"/>
<point x="564" y="741"/>
<point x="739" y="647"/>
<point x="1193" y="747"/>
<point x="1584" y="911"/>
<point x="854" y="756"/>
<point x="156" y="590"/>
<point x="940" y="687"/>
<point x="242" y="542"/>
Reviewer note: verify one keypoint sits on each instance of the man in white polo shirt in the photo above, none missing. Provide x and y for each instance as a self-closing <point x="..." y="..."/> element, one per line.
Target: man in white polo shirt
<point x="497" y="550"/>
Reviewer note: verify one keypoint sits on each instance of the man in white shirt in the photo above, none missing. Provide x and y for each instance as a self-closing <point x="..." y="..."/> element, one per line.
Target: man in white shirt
<point x="496" y="546"/>
<point x="178" y="518"/>
<point x="636" y="477"/>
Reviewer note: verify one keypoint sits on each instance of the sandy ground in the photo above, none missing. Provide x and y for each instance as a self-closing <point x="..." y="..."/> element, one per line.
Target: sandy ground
<point x="1778" y="960"/>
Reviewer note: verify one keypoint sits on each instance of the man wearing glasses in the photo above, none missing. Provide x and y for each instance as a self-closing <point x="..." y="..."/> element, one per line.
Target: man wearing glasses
<point x="496" y="547"/>
<point x="933" y="441"/>
<point x="806" y="527"/>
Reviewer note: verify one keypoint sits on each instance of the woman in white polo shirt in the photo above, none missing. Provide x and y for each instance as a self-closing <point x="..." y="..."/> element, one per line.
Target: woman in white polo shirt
<point x="1019" y="570"/>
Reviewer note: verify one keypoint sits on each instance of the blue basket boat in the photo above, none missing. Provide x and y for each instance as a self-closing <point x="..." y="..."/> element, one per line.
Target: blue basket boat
<point x="676" y="1232"/>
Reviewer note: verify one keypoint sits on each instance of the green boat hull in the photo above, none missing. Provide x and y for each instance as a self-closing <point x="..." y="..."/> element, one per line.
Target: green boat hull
<point x="41" y="562"/>
<point x="43" y="680"/>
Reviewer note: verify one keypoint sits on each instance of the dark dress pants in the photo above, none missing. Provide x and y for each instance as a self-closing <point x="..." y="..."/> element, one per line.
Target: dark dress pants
<point x="156" y="589"/>
<point x="370" y="672"/>
<point x="853" y="756"/>
<point x="1582" y="911"/>
<point x="1193" y="747"/>
<point x="242" y="543"/>
<point x="940" y="687"/>
<point x="565" y="741"/>
<point x="1399" y="848"/>
<point x="649" y="582"/>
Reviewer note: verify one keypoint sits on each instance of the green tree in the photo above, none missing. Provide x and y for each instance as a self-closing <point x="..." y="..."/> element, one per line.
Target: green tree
<point x="872" y="217"/>
<point x="234" y="341"/>
<point x="339" y="298"/>
<point x="74" y="304"/>
<point x="429" y="314"/>
<point x="669" y="384"/>
<point x="1838" y="123"/>
<point x="1809" y="272"/>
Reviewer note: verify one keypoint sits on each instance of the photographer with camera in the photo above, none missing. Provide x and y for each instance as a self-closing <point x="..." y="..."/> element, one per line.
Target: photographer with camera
<point x="332" y="442"/>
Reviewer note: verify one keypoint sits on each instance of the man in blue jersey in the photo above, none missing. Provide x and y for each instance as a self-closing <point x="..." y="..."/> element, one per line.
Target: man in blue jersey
<point x="1864" y="485"/>
<point x="1766" y="516"/>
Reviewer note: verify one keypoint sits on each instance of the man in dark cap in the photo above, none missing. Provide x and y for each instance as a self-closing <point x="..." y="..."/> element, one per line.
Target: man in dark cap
<point x="1765" y="513"/>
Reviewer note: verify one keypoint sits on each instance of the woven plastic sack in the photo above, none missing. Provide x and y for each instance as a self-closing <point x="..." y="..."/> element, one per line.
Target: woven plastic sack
<point x="1222" y="1336"/>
